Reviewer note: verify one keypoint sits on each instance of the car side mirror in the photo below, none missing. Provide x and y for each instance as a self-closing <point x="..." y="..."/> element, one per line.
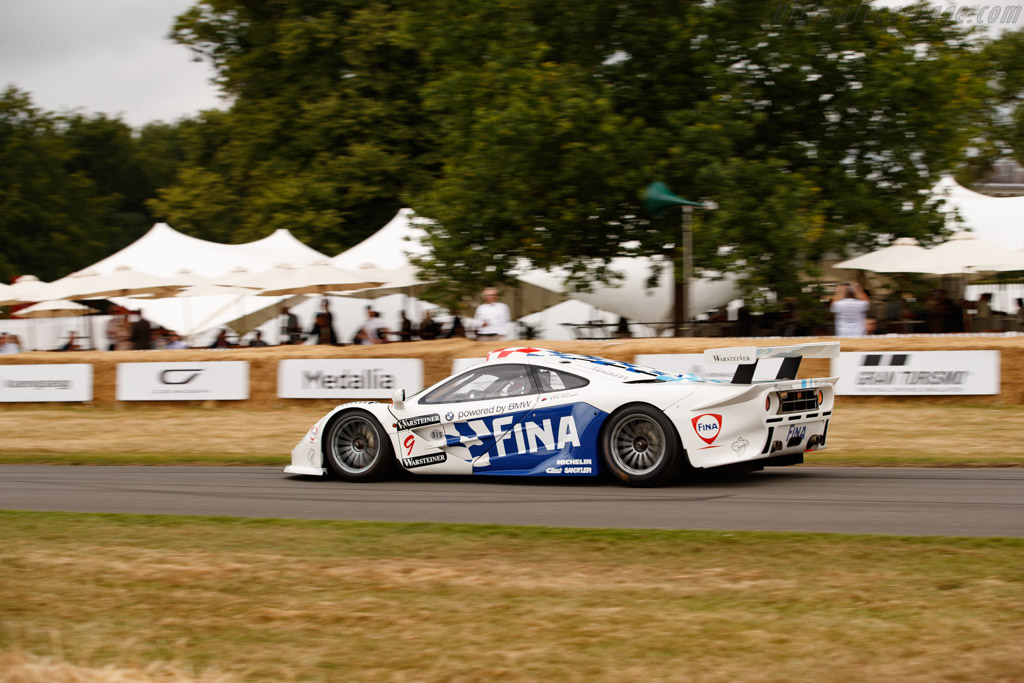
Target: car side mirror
<point x="398" y="398"/>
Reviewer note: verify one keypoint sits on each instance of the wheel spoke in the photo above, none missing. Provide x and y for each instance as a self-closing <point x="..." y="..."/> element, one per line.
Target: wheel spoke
<point x="355" y="445"/>
<point x="638" y="445"/>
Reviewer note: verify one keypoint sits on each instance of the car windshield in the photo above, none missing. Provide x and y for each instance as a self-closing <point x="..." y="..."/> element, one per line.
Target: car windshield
<point x="482" y="383"/>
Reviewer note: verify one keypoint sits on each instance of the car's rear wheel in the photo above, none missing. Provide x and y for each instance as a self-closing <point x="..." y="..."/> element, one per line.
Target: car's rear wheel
<point x="640" y="447"/>
<point x="356" y="447"/>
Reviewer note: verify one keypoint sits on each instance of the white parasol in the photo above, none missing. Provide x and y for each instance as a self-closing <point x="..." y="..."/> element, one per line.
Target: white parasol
<point x="122" y="282"/>
<point x="879" y="261"/>
<point x="963" y="254"/>
<point x="26" y="289"/>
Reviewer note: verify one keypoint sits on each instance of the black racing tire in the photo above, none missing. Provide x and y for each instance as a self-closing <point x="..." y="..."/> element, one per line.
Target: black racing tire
<point x="640" y="446"/>
<point x="356" y="448"/>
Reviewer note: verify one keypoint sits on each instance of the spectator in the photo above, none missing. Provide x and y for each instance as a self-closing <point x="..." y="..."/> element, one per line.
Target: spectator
<point x="373" y="331"/>
<point x="257" y="340"/>
<point x="323" y="326"/>
<point x="222" y="341"/>
<point x="291" y="332"/>
<point x="174" y="341"/>
<point x="456" y="328"/>
<point x="850" y="307"/>
<point x="141" y="332"/>
<point x="492" y="317"/>
<point x="119" y="330"/>
<point x="429" y="328"/>
<point x="983" y="315"/>
<point x="72" y="342"/>
<point x="405" y="328"/>
<point x="9" y="343"/>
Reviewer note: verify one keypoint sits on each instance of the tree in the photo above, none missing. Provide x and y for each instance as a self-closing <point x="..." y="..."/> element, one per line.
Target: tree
<point x="51" y="214"/>
<point x="1001" y="63"/>
<point x="324" y="132"/>
<point x="816" y="127"/>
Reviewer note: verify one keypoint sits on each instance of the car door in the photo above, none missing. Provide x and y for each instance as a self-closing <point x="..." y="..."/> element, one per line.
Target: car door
<point x="477" y="410"/>
<point x="557" y="436"/>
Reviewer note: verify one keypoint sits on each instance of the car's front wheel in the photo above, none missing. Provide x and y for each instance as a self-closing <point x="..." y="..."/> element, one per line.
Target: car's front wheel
<point x="640" y="446"/>
<point x="356" y="447"/>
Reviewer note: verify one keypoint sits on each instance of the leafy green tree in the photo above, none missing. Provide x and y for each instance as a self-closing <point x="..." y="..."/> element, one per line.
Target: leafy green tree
<point x="1001" y="63"/>
<point x="51" y="214"/>
<point x="324" y="132"/>
<point x="815" y="126"/>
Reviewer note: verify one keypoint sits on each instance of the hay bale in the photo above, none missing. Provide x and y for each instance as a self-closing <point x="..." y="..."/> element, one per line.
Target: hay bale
<point x="437" y="357"/>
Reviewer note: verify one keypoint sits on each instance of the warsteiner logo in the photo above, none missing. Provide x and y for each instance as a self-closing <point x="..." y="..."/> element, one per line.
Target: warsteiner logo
<point x="707" y="427"/>
<point x="423" y="460"/>
<point x="420" y="421"/>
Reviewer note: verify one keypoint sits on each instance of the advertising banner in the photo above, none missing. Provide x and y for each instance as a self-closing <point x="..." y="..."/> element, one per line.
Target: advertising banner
<point x="36" y="383"/>
<point x="184" y="381"/>
<point x="695" y="364"/>
<point x="917" y="373"/>
<point x="348" y="379"/>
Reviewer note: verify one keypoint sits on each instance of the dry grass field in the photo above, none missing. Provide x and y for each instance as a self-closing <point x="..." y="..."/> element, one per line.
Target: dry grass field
<point x="172" y="598"/>
<point x="141" y="599"/>
<point x="861" y="433"/>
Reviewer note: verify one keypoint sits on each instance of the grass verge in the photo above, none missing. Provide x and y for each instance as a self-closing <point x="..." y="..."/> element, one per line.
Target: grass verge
<point x="891" y="434"/>
<point x="283" y="600"/>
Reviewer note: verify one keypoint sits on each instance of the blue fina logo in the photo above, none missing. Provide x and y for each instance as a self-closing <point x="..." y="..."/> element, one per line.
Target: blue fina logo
<point x="538" y="434"/>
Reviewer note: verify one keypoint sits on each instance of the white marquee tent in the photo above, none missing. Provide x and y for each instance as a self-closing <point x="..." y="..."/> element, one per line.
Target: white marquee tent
<point x="163" y="251"/>
<point x="998" y="220"/>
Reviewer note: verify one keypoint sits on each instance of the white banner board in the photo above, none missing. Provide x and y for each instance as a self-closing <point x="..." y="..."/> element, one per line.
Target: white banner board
<point x="694" y="364"/>
<point x="348" y="378"/>
<point x="51" y="382"/>
<point x="183" y="381"/>
<point x="917" y="373"/>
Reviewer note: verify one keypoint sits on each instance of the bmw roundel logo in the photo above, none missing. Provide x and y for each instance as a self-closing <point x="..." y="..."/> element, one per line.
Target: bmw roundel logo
<point x="449" y="416"/>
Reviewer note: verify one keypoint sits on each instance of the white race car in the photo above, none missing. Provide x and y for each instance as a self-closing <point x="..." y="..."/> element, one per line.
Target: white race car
<point x="539" y="413"/>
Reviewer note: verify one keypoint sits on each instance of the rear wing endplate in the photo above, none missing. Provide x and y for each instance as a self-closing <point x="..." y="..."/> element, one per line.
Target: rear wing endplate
<point x="748" y="356"/>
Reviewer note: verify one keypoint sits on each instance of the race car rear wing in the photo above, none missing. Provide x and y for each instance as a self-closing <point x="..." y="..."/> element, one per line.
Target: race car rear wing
<point x="748" y="356"/>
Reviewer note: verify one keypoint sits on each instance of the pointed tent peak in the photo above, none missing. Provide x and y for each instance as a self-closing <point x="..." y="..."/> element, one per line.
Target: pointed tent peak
<point x="282" y="242"/>
<point x="390" y="246"/>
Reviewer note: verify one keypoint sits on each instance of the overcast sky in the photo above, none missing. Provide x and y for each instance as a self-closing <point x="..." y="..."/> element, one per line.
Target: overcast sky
<point x="110" y="56"/>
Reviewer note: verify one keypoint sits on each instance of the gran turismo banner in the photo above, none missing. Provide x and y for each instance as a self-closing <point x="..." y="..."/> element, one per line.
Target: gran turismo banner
<point x="917" y="373"/>
<point x="183" y="381"/>
<point x="71" y="382"/>
<point x="348" y="379"/>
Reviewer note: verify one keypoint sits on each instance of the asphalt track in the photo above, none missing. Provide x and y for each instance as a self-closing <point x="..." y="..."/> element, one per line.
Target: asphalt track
<point x="917" y="502"/>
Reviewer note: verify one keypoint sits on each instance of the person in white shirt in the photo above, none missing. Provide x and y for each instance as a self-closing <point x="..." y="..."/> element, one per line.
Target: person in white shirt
<point x="373" y="331"/>
<point x="850" y="307"/>
<point x="492" y="317"/>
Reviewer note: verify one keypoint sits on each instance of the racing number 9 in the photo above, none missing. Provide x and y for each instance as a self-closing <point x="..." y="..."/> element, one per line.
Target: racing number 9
<point x="408" y="443"/>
